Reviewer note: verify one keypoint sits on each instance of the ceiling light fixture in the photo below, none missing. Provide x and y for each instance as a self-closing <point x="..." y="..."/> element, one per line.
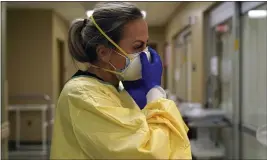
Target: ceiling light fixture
<point x="257" y="13"/>
<point x="144" y="13"/>
<point x="90" y="12"/>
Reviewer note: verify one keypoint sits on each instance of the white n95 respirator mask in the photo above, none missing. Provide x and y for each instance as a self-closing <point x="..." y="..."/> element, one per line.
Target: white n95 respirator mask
<point x="133" y="68"/>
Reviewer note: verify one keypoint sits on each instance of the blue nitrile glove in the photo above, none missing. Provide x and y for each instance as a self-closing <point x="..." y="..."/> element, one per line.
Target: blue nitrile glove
<point x="151" y="77"/>
<point x="136" y="91"/>
<point x="151" y="72"/>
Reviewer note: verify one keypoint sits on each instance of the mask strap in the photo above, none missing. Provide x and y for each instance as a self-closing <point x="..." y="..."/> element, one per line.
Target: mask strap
<point x="104" y="34"/>
<point x="107" y="70"/>
<point x="121" y="54"/>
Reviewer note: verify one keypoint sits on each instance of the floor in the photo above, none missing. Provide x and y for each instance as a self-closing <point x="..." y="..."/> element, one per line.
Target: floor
<point x="33" y="152"/>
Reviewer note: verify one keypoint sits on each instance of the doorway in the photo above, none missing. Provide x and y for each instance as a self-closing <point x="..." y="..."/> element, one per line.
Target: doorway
<point x="188" y="67"/>
<point x="183" y="65"/>
<point x="153" y="46"/>
<point x="61" y="64"/>
<point x="220" y="56"/>
<point x="221" y="82"/>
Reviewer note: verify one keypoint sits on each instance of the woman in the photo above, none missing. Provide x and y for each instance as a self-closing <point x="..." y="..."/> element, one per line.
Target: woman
<point x="95" y="117"/>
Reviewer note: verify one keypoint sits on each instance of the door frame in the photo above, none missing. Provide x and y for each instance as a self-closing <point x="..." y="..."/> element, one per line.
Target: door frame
<point x="60" y="44"/>
<point x="5" y="129"/>
<point x="219" y="14"/>
<point x="188" y="38"/>
<point x="178" y="42"/>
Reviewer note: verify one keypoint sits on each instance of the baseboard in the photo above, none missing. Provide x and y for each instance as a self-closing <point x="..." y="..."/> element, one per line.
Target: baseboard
<point x="12" y="144"/>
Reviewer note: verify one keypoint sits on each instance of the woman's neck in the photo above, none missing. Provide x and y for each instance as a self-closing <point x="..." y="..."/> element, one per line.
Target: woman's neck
<point x="106" y="76"/>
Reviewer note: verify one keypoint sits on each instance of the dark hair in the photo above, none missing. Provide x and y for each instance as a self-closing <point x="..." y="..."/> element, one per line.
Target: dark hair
<point x="111" y="18"/>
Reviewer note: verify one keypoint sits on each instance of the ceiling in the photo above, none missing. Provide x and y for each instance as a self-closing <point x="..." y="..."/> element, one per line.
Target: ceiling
<point x="68" y="10"/>
<point x="157" y="12"/>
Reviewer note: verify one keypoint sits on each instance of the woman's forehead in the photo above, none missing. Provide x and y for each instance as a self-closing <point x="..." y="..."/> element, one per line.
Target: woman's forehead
<point x="136" y="30"/>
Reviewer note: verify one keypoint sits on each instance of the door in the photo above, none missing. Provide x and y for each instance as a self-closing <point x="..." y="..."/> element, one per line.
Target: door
<point x="219" y="23"/>
<point x="220" y="83"/>
<point x="183" y="66"/>
<point x="189" y="67"/>
<point x="226" y="72"/>
<point x="220" y="79"/>
<point x="61" y="64"/>
<point x="254" y="80"/>
<point x="153" y="46"/>
<point x="181" y="73"/>
<point x="223" y="51"/>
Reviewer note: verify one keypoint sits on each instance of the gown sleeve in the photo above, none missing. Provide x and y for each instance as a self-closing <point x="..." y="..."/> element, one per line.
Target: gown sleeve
<point x="106" y="130"/>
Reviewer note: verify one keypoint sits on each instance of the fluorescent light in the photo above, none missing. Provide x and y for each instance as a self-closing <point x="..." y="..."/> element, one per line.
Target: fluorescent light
<point x="89" y="13"/>
<point x="144" y="13"/>
<point x="257" y="13"/>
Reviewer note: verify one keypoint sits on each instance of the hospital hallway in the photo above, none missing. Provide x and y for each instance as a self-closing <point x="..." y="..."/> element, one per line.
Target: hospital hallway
<point x="214" y="68"/>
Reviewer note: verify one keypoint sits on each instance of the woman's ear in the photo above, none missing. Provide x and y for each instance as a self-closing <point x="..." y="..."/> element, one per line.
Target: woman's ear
<point x="103" y="53"/>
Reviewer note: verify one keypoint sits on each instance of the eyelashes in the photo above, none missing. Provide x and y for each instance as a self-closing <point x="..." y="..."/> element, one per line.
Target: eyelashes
<point x="141" y="46"/>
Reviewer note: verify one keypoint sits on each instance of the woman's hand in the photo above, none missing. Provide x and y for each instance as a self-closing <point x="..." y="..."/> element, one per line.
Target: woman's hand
<point x="151" y="72"/>
<point x="136" y="91"/>
<point x="151" y="77"/>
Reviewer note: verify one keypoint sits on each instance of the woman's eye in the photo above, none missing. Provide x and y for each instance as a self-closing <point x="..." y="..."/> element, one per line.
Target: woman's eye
<point x="138" y="47"/>
<point x="143" y="46"/>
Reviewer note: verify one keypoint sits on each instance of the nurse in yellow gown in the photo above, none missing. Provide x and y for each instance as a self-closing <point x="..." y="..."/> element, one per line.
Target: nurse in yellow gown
<point x="96" y="117"/>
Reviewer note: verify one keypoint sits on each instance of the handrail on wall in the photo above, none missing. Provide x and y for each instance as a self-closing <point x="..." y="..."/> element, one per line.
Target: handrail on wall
<point x="30" y="96"/>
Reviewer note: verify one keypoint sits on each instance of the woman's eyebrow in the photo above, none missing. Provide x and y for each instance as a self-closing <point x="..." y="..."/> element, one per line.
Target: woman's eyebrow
<point x="140" y="41"/>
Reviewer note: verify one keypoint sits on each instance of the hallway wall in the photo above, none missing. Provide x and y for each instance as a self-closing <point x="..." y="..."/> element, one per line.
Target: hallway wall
<point x="32" y="61"/>
<point x="176" y="24"/>
<point x="29" y="56"/>
<point x="60" y="32"/>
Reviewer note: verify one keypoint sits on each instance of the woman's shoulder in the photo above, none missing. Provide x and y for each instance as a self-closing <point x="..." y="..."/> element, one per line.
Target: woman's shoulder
<point x="86" y="92"/>
<point x="87" y="86"/>
<point x="82" y="84"/>
<point x="84" y="80"/>
<point x="80" y="89"/>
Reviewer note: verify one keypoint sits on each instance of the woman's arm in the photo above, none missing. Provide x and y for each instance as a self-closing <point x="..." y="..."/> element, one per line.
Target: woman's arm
<point x="106" y="130"/>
